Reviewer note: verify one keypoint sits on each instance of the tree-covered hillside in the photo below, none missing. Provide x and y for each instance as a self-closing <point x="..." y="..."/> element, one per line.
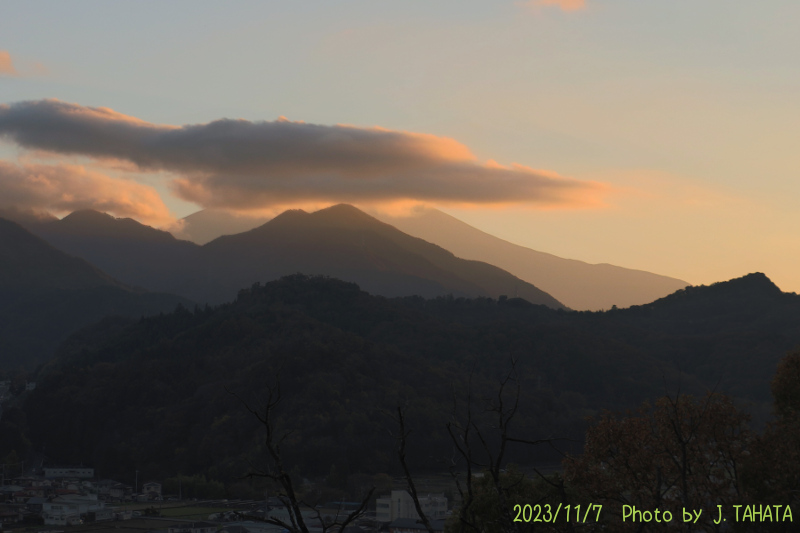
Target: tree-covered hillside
<point x="160" y="394"/>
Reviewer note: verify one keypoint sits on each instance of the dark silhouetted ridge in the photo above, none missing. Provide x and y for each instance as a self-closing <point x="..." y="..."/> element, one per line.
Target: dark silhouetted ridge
<point x="46" y="294"/>
<point x="344" y="242"/>
<point x="131" y="252"/>
<point x="88" y="222"/>
<point x="27" y="262"/>
<point x="748" y="291"/>
<point x="340" y="241"/>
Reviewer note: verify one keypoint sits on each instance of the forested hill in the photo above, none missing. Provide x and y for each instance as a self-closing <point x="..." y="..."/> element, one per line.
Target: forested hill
<point x="155" y="394"/>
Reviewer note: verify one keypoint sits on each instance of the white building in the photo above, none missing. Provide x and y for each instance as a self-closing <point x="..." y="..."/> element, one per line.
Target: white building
<point x="400" y="505"/>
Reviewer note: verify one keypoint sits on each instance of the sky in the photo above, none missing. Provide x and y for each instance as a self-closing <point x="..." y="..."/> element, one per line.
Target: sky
<point x="653" y="135"/>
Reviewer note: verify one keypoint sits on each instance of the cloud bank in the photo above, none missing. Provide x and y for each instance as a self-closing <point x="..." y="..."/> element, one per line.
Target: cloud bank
<point x="238" y="164"/>
<point x="70" y="187"/>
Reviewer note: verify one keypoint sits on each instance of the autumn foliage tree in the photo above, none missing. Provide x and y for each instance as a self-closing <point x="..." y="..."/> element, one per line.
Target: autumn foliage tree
<point x="679" y="453"/>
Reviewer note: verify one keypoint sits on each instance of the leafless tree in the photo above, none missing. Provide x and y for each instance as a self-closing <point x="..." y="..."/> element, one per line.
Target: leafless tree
<point x="276" y="470"/>
<point x="467" y="434"/>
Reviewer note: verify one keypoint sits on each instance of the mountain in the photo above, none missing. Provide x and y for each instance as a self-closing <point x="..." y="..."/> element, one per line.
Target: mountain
<point x="137" y="254"/>
<point x="146" y="257"/>
<point x="340" y="241"/>
<point x="162" y="392"/>
<point x="346" y="243"/>
<point x="29" y="264"/>
<point x="577" y="284"/>
<point x="45" y="295"/>
<point x="208" y="224"/>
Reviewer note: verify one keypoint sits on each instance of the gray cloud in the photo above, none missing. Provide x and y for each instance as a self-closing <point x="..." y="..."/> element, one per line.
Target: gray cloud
<point x="243" y="164"/>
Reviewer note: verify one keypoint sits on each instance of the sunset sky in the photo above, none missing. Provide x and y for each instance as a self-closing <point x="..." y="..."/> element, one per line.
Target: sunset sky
<point x="654" y="135"/>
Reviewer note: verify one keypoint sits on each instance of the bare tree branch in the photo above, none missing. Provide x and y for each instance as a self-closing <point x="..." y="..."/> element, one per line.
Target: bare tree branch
<point x="401" y="455"/>
<point x="276" y="470"/>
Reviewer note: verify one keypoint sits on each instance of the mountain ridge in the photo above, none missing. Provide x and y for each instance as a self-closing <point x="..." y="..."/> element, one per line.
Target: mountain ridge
<point x="348" y="240"/>
<point x="578" y="284"/>
<point x="341" y="241"/>
<point x="46" y="294"/>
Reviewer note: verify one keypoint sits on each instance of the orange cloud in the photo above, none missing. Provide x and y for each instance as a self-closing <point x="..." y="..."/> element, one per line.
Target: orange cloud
<point x="65" y="188"/>
<point x="6" y="65"/>
<point x="565" y="5"/>
<point x="243" y="165"/>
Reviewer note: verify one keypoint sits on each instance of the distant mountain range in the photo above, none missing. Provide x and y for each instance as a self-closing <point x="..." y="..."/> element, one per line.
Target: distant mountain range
<point x="577" y="284"/>
<point x="45" y="295"/>
<point x="340" y="241"/>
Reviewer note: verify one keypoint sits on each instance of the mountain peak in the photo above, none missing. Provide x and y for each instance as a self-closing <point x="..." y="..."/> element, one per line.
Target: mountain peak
<point x="88" y="215"/>
<point x="755" y="283"/>
<point x="346" y="215"/>
<point x="341" y="209"/>
<point x="347" y="243"/>
<point x="89" y="222"/>
<point x="335" y="216"/>
<point x="745" y="294"/>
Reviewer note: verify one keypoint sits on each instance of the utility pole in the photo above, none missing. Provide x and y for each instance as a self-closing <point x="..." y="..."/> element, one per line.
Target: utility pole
<point x="136" y="488"/>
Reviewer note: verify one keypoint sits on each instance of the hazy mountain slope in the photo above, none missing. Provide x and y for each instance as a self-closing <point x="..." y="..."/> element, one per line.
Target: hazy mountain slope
<point x="208" y="224"/>
<point x="137" y="254"/>
<point x="28" y="263"/>
<point x="46" y="294"/>
<point x="340" y="241"/>
<point x="577" y="284"/>
<point x="346" y="243"/>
